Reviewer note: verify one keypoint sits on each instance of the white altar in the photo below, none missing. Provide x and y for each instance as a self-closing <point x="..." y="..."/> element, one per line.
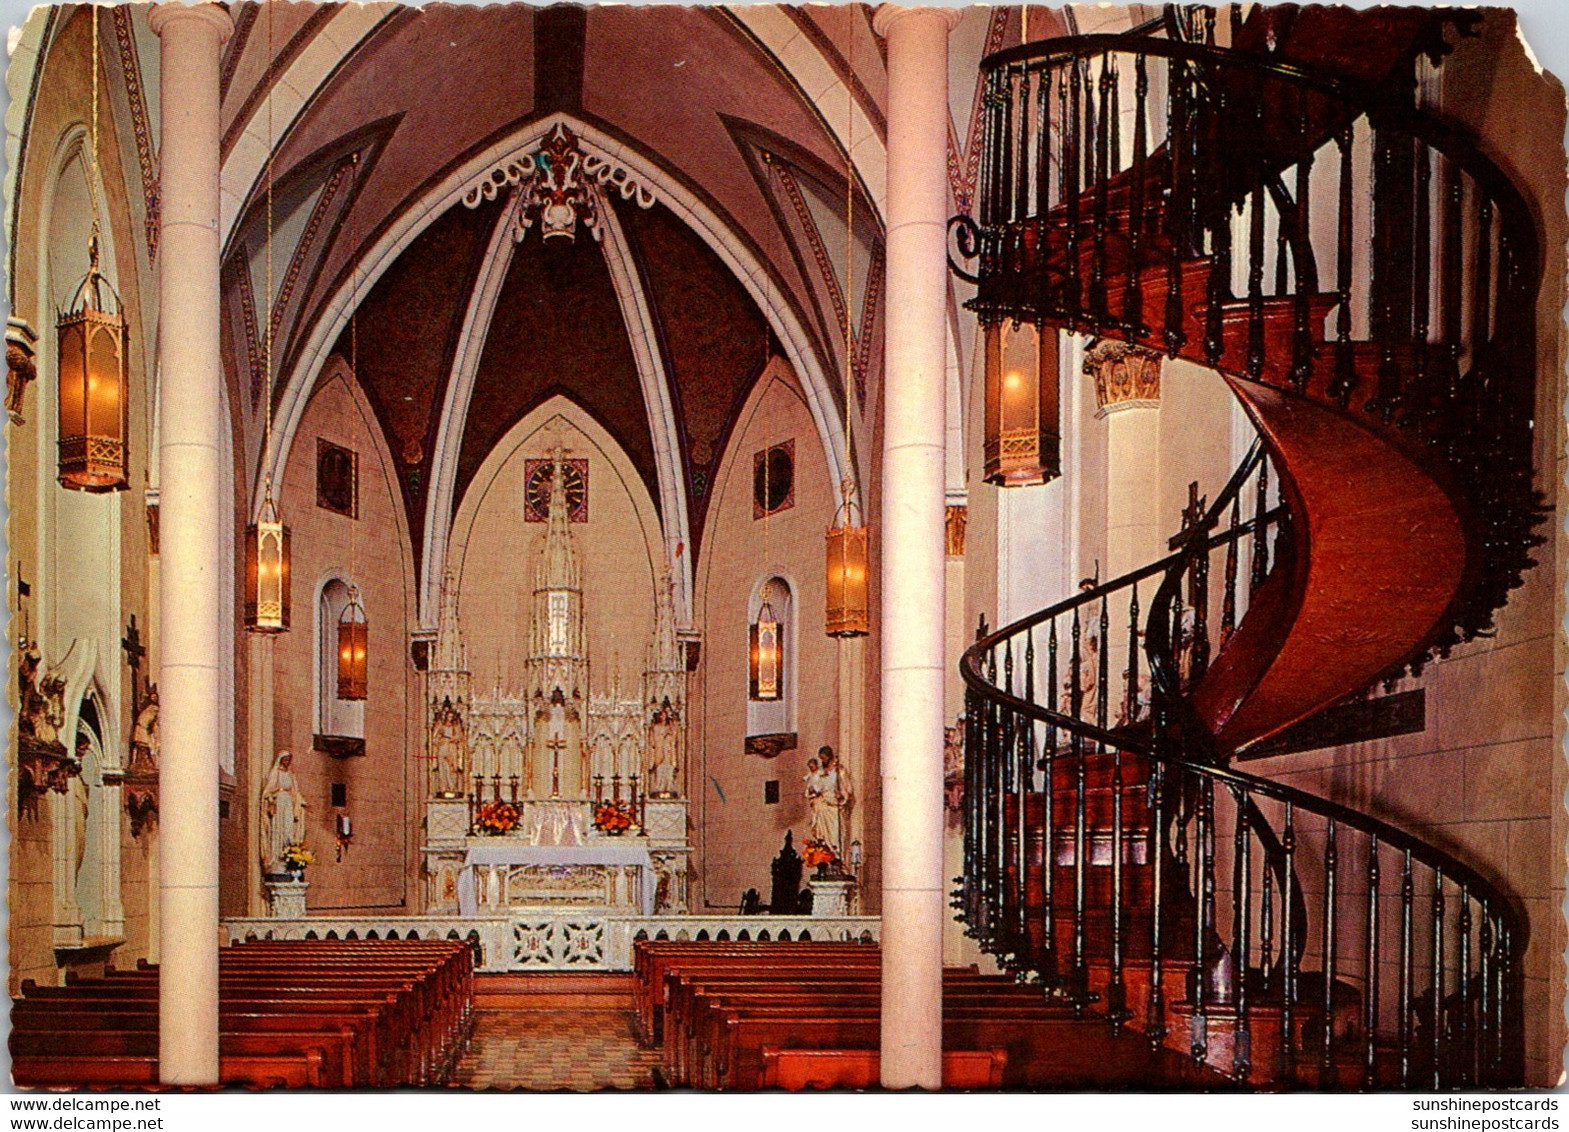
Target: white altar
<point x="507" y="872"/>
<point x="520" y="774"/>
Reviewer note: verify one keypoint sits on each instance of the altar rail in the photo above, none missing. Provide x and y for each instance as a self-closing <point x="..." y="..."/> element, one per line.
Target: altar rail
<point x="559" y="941"/>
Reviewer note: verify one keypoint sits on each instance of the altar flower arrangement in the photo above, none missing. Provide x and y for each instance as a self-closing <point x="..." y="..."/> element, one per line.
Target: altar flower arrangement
<point x="819" y="855"/>
<point x="295" y="858"/>
<point x="495" y="818"/>
<point x="613" y="817"/>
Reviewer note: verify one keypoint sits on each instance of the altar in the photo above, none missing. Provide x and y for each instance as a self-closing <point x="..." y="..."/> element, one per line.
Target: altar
<point x="507" y="872"/>
<point x="555" y="790"/>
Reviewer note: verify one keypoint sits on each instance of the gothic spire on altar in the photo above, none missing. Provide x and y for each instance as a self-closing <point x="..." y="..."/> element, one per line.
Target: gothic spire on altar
<point x="552" y="750"/>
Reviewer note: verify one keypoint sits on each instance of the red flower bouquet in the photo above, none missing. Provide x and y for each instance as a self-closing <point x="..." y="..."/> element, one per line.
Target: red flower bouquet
<point x="496" y="818"/>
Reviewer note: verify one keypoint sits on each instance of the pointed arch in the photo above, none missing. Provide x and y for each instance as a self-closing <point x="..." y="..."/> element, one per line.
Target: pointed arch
<point x="731" y="249"/>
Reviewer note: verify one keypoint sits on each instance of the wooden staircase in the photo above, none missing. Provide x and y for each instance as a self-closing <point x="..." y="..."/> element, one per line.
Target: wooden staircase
<point x="1110" y="852"/>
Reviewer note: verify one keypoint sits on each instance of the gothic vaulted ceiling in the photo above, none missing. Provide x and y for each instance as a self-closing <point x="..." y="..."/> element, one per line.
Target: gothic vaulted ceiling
<point x="423" y="94"/>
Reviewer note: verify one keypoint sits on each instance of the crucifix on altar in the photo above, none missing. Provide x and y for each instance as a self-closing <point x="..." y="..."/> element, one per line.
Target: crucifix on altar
<point x="555" y="747"/>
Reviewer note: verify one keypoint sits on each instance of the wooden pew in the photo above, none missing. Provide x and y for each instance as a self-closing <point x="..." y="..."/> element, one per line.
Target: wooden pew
<point x="688" y="1022"/>
<point x="95" y="1071"/>
<point x="326" y="1013"/>
<point x="797" y="1069"/>
<point x="655" y="961"/>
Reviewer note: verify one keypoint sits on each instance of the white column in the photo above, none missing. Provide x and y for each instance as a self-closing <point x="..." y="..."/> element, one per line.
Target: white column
<point x="195" y="518"/>
<point x="914" y="435"/>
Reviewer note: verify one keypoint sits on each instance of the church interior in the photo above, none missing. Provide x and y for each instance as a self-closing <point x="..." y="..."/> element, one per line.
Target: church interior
<point x="784" y="546"/>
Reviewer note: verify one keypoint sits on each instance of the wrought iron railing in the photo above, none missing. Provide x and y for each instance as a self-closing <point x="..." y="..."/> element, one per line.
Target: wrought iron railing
<point x="1308" y="232"/>
<point x="1277" y="935"/>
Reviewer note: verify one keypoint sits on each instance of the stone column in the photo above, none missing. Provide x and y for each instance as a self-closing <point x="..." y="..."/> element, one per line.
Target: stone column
<point x="194" y="518"/>
<point x="1127" y="392"/>
<point x="914" y="435"/>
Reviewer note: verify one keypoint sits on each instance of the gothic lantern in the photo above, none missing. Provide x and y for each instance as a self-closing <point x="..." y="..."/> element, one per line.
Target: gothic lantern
<point x="93" y="401"/>
<point x="351" y="649"/>
<point x="267" y="572"/>
<point x="767" y="654"/>
<point x="848" y="613"/>
<point x="1022" y="434"/>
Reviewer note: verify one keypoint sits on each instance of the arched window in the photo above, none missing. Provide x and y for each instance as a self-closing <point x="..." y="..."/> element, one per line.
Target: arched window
<point x="340" y="723"/>
<point x="770" y="707"/>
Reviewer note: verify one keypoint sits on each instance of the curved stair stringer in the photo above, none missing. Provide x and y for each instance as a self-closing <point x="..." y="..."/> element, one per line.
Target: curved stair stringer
<point x="1378" y="556"/>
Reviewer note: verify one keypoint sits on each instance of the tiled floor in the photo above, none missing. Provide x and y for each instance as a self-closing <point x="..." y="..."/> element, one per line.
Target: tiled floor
<point x="578" y="1051"/>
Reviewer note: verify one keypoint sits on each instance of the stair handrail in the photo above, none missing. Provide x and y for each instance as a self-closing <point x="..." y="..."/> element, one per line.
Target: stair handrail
<point x="1171" y="712"/>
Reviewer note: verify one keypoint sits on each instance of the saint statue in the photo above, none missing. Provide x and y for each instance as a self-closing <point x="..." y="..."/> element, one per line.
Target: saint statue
<point x="829" y="796"/>
<point x="282" y="814"/>
<point x="663" y="736"/>
<point x="448" y="751"/>
<point x="144" y="733"/>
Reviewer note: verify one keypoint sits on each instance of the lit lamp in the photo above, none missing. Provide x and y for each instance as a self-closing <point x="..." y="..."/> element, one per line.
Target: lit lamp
<point x="767" y="653"/>
<point x="1023" y="439"/>
<point x="848" y="613"/>
<point x="351" y="649"/>
<point x="93" y="405"/>
<point x="267" y="572"/>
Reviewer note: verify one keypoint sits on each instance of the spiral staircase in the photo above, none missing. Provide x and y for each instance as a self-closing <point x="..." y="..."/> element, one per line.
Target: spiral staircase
<point x="1279" y="210"/>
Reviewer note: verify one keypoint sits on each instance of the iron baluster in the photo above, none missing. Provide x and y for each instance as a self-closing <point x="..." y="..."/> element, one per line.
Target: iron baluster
<point x="1241" y="922"/>
<point x="1266" y="927"/>
<point x="1464" y="1075"/>
<point x="1219" y="290"/>
<point x="1131" y="706"/>
<point x="1327" y="1052"/>
<point x="1155" y="1012"/>
<point x="1387" y="242"/>
<point x="1076" y="707"/>
<point x="1345" y="361"/>
<point x="1256" y="272"/>
<point x="1302" y="332"/>
<point x="1021" y="163"/>
<point x="1407" y="895"/>
<point x="1116" y="994"/>
<point x="1228" y="605"/>
<point x="1452" y="275"/>
<point x="1024" y="774"/>
<point x="1133" y="309"/>
<point x="1010" y="818"/>
<point x="1099" y="169"/>
<point x="1204" y="922"/>
<point x="1049" y="842"/>
<point x="1070" y="191"/>
<point x="1288" y="949"/>
<point x="1260" y="557"/>
<point x="1043" y="149"/>
<point x="1370" y="998"/>
<point x="1005" y="174"/>
<point x="1174" y="210"/>
<point x="1437" y="971"/>
<point x="1422" y="398"/>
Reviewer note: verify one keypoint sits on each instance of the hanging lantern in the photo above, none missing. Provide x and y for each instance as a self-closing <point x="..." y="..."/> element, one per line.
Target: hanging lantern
<point x="267" y="572"/>
<point x="848" y="611"/>
<point x="1023" y="438"/>
<point x="767" y="654"/>
<point x="351" y="649"/>
<point x="93" y="402"/>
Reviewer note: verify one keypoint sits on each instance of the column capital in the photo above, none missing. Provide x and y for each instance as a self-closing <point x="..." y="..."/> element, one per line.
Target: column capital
<point x="887" y="14"/>
<point x="162" y="15"/>
<point x="1126" y="376"/>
